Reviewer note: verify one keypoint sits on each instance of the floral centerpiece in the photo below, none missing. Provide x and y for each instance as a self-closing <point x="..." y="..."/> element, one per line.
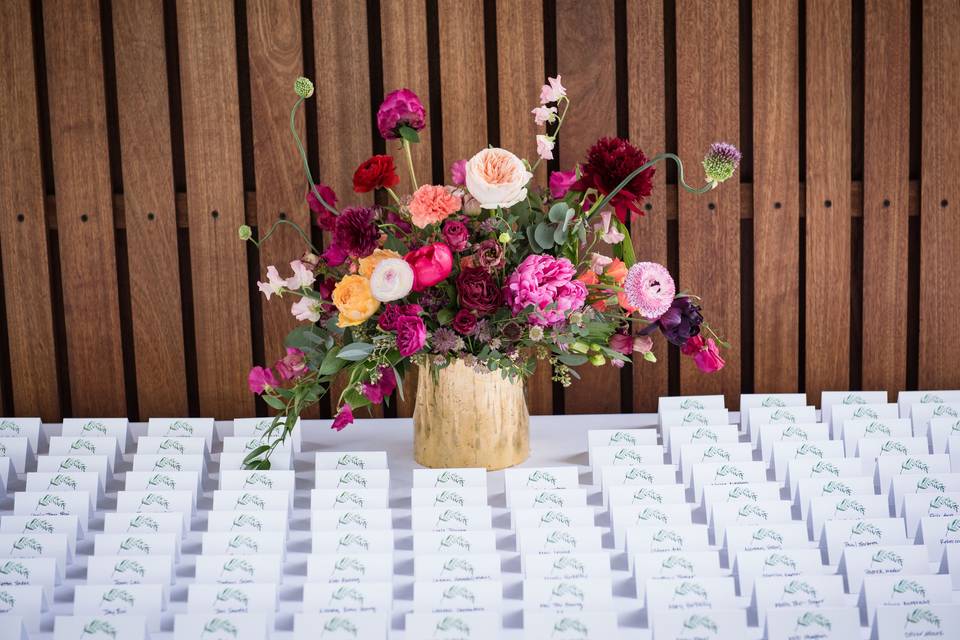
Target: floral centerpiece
<point x="489" y="273"/>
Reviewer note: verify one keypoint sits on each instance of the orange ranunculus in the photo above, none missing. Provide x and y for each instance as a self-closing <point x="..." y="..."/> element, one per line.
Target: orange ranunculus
<point x="368" y="264"/>
<point x="354" y="301"/>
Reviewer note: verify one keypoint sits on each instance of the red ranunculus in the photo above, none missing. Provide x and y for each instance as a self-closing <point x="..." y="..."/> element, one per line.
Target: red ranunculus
<point x="478" y="291"/>
<point x="465" y="322"/>
<point x="431" y="264"/>
<point x="376" y="173"/>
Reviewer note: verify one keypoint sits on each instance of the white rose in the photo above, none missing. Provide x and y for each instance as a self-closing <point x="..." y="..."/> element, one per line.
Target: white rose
<point x="497" y="178"/>
<point x="391" y="280"/>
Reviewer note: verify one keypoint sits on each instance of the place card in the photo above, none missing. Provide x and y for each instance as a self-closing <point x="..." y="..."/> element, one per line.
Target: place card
<point x="454" y="542"/>
<point x="895" y="465"/>
<point x="902" y="486"/>
<point x="773" y="593"/>
<point x="120" y="522"/>
<point x="16" y="450"/>
<point x="163" y="446"/>
<point x="242" y="521"/>
<point x="452" y="626"/>
<point x="236" y="449"/>
<point x="88" y="481"/>
<point x="126" y="570"/>
<point x="821" y="469"/>
<point x="953" y="450"/>
<point x="246" y="480"/>
<point x="349" y="499"/>
<point x="335" y="542"/>
<point x="449" y="497"/>
<point x="646" y="475"/>
<point x="869" y="449"/>
<point x="813" y="623"/>
<point x="691" y="537"/>
<point x="446" y="567"/>
<point x="624" y="516"/>
<point x="250" y="542"/>
<point x="841" y="414"/>
<point x="767" y="401"/>
<point x="252" y="500"/>
<point x="582" y="594"/>
<point x="66" y="524"/>
<point x="839" y="535"/>
<point x="621" y="437"/>
<point x="26" y="601"/>
<point x="559" y="540"/>
<point x="904" y="590"/>
<point x="15" y="572"/>
<point x="753" y="537"/>
<point x="340" y="460"/>
<point x="127" y="627"/>
<point x="714" y="434"/>
<point x="351" y="519"/>
<point x="456" y="597"/>
<point x="672" y="565"/>
<point x="687" y="403"/>
<point x="567" y="566"/>
<point x="691" y="418"/>
<point x="449" y="478"/>
<point x="351" y="479"/>
<point x="28" y="428"/>
<point x="451" y="518"/>
<point x="841" y="507"/>
<point x="935" y="534"/>
<point x="546" y="498"/>
<point x="708" y="473"/>
<point x="54" y="503"/>
<point x="950" y="563"/>
<point x="906" y="399"/>
<point x="940" y="431"/>
<point x="564" y="517"/>
<point x="136" y="544"/>
<point x="347" y="567"/>
<point x="693" y="453"/>
<point x="182" y="428"/>
<point x="796" y="415"/>
<point x="784" y="452"/>
<point x="164" y="481"/>
<point x="83" y="447"/>
<point x="359" y="597"/>
<point x="157" y="502"/>
<point x="929" y="505"/>
<point x="829" y="399"/>
<point x="257" y="427"/>
<point x="541" y="478"/>
<point x="568" y="625"/>
<point x="98" y="427"/>
<point x="761" y="512"/>
<point x="683" y="625"/>
<point x="239" y="569"/>
<point x="144" y="600"/>
<point x="922" y="414"/>
<point x="221" y="626"/>
<point x="748" y="566"/>
<point x="854" y="430"/>
<point x="739" y="494"/>
<point x="232" y="598"/>
<point x="629" y="455"/>
<point x="809" y="488"/>
<point x="37" y="545"/>
<point x="340" y="625"/>
<point x="902" y="622"/>
<point x="690" y="594"/>
<point x="770" y="434"/>
<point x="652" y="494"/>
<point x="858" y="562"/>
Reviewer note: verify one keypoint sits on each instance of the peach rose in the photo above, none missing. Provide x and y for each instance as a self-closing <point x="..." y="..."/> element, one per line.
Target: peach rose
<point x="497" y="178"/>
<point x="354" y="301"/>
<point x="431" y="204"/>
<point x="368" y="264"/>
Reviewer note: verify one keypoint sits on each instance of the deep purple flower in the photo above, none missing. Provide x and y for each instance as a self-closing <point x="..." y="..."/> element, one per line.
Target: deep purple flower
<point x="456" y="235"/>
<point x="400" y="108"/>
<point x="680" y="323"/>
<point x="478" y="291"/>
<point x="609" y="162"/>
<point x="392" y="312"/>
<point x="356" y="232"/>
<point x="465" y="322"/>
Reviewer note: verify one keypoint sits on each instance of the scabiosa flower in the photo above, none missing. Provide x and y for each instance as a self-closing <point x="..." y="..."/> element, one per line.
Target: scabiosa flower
<point x="356" y="232"/>
<point x="720" y="162"/>
<point x="609" y="161"/>
<point x="400" y="108"/>
<point x="650" y="289"/>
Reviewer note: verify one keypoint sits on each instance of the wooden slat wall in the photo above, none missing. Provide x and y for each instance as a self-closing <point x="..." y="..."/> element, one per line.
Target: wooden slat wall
<point x="137" y="136"/>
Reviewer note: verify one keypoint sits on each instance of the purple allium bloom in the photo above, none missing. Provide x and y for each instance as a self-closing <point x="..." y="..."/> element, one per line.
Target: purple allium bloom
<point x="649" y="289"/>
<point x="400" y="108"/>
<point x="720" y="162"/>
<point x="680" y="323"/>
<point x="356" y="232"/>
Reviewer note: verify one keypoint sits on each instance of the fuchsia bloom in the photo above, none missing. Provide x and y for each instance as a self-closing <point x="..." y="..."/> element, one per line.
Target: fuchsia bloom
<point x="261" y="379"/>
<point x="650" y="289"/>
<point x="343" y="418"/>
<point x="326" y="219"/>
<point x="560" y="183"/>
<point x="293" y="365"/>
<point x="542" y="281"/>
<point x="609" y="162"/>
<point x="375" y="392"/>
<point x="431" y="264"/>
<point x="411" y="335"/>
<point x="458" y="172"/>
<point x="400" y="108"/>
<point x="706" y="355"/>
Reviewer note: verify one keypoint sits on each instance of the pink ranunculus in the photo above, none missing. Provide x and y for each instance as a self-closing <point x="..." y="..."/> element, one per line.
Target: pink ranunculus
<point x="560" y="183"/>
<point x="706" y="354"/>
<point x="293" y="365"/>
<point x="411" y="335"/>
<point x="432" y="204"/>
<point x="431" y="264"/>
<point x="343" y="418"/>
<point x="261" y="379"/>
<point x="541" y="281"/>
<point x="375" y="392"/>
<point x="400" y="108"/>
<point x="650" y="289"/>
<point x="458" y="172"/>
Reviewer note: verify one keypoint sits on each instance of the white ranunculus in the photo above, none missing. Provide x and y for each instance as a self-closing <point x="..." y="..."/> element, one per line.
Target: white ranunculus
<point x="391" y="280"/>
<point x="497" y="178"/>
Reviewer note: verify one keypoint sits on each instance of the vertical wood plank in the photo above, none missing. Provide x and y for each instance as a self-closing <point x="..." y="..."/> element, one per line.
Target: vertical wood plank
<point x="78" y="133"/>
<point x="591" y="84"/>
<point x="218" y="260"/>
<point x="28" y="304"/>
<point x="645" y="59"/>
<point x="403" y="27"/>
<point x="886" y="155"/>
<point x="940" y="196"/>
<point x="462" y="79"/>
<point x="707" y="111"/>
<point x="776" y="195"/>
<point x="520" y="73"/>
<point x="828" y="109"/>
<point x="149" y="210"/>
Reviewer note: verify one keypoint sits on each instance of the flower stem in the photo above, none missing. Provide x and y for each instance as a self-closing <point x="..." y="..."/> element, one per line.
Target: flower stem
<point x="303" y="156"/>
<point x="556" y="131"/>
<point x="292" y="224"/>
<point x="394" y="196"/>
<point x="406" y="151"/>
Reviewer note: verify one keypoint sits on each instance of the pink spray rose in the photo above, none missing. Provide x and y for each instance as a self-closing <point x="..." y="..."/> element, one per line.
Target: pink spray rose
<point x="261" y="379"/>
<point x="541" y="281"/>
<point x="456" y="235"/>
<point x="411" y="335"/>
<point x="431" y="264"/>
<point x="292" y="365"/>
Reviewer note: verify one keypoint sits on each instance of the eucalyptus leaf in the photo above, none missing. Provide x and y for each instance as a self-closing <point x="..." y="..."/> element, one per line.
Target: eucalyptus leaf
<point x="558" y="212"/>
<point x="274" y="402"/>
<point x="559" y="235"/>
<point x="444" y="316"/>
<point x="331" y="363"/>
<point x="572" y="359"/>
<point x="544" y="235"/>
<point x="355" y="351"/>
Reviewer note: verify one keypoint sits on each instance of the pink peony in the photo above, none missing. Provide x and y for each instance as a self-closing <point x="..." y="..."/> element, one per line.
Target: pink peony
<point x="431" y="264"/>
<point x="432" y="204"/>
<point x="375" y="392"/>
<point x="343" y="418"/>
<point x="706" y="355"/>
<point x="400" y="108"/>
<point x="544" y="281"/>
<point x="650" y="289"/>
<point x="292" y="365"/>
<point x="411" y="335"/>
<point x="261" y="379"/>
<point x="560" y="183"/>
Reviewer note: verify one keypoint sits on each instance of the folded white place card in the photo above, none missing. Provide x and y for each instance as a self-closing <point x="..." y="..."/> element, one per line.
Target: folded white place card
<point x="448" y="497"/>
<point x="182" y="428"/>
<point x="770" y="434"/>
<point x="858" y="562"/>
<point x="163" y="481"/>
<point x="37" y="545"/>
<point x="902" y="622"/>
<point x="359" y="597"/>
<point x="767" y="401"/>
<point x="739" y="493"/>
<point x="773" y="593"/>
<point x="842" y="414"/>
<point x="626" y="494"/>
<point x="352" y="479"/>
<point x="940" y="431"/>
<point x="379" y="541"/>
<point x="125" y="522"/>
<point x="137" y="544"/>
<point x="710" y="623"/>
<point x="346" y="567"/>
<point x="347" y="519"/>
<point x="581" y="594"/>
<point x="29" y="571"/>
<point x="644" y="476"/>
<point x="796" y="415"/>
<point x="144" y="600"/>
<point x="624" y="517"/>
<point x="69" y="464"/>
<point x="16" y="450"/>
<point x="621" y="437"/>
<point x="454" y="542"/>
<point x="276" y="520"/>
<point x="163" y="446"/>
<point x="456" y="597"/>
<point x="753" y="537"/>
<point x="707" y="473"/>
<point x="927" y="505"/>
<point x="559" y="540"/>
<point x="953" y="450"/>
<point x="855" y="429"/>
<point x="127" y="570"/>
<point x="252" y="500"/>
<point x="66" y="524"/>
<point x="245" y="480"/>
<point x="28" y="428"/>
<point x="85" y="446"/>
<point x="629" y="455"/>
<point x="902" y="486"/>
<point x="691" y="537"/>
<point x="228" y="543"/>
<point x="236" y="449"/>
<point x="232" y="598"/>
<point x="541" y="478"/>
<point x="760" y="512"/>
<point x="950" y="564"/>
<point x="813" y="623"/>
<point x="841" y="507"/>
<point x="546" y="498"/>
<point x="713" y="434"/>
<point x="922" y="414"/>
<point x="307" y="626"/>
<point x="349" y="499"/>
<point x="830" y="399"/>
<point x="26" y="601"/>
<point x="239" y="569"/>
<point x="88" y="481"/>
<point x="686" y="594"/>
<point x="257" y="427"/>
<point x="690" y="454"/>
<point x="569" y="625"/>
<point x="906" y="399"/>
<point x="157" y="502"/>
<point x="567" y="566"/>
<point x="452" y="626"/>
<point x="446" y="567"/>
<point x="839" y="535"/>
<point x="821" y="468"/>
<point x="935" y="534"/>
<point x="338" y="460"/>
<point x="451" y="518"/>
<point x="449" y="478"/>
<point x="869" y="449"/>
<point x="685" y="403"/>
<point x="748" y="566"/>
<point x="909" y="590"/>
<point x="98" y="427"/>
<point x="220" y="626"/>
<point x="784" y="452"/>
<point x="680" y="564"/>
<point x="809" y="488"/>
<point x="563" y="517"/>
<point x="889" y="467"/>
<point x="691" y="418"/>
<point x="128" y="627"/>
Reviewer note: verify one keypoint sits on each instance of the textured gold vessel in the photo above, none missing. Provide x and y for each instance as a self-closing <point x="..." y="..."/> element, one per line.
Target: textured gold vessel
<point x="464" y="418"/>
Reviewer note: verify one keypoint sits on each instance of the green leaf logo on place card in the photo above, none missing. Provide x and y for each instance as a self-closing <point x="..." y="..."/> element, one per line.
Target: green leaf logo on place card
<point x="350" y="461"/>
<point x="715" y="452"/>
<point x="740" y="492"/>
<point x="448" y="497"/>
<point x="782" y="415"/>
<point x="258" y="480"/>
<point x="246" y="521"/>
<point x="351" y="518"/>
<point x="920" y="615"/>
<point x="702" y="433"/>
<point x="179" y="428"/>
<point x="250" y="500"/>
<point x="795" y="587"/>
<point x="457" y="565"/>
<point x="762" y="533"/>
<point x="451" y="623"/>
<point x="649" y="514"/>
<point x="853" y="399"/>
<point x="243" y="542"/>
<point x="350" y="541"/>
<point x="347" y="594"/>
<point x="339" y="626"/>
<point x="352" y="479"/>
<point x="694" y="417"/>
<point x="143" y="522"/>
<point x="449" y="477"/>
<point x="877" y="427"/>
<point x="26" y="543"/>
<point x="167" y="445"/>
<point x="822" y="467"/>
<point x="7" y="602"/>
<point x="38" y="524"/>
<point x="646" y="495"/>
<point x="926" y="483"/>
<point x="954" y="526"/>
<point x="548" y="498"/>
<point x="942" y="503"/>
<point x="154" y="500"/>
<point x="8" y="426"/>
<point x="775" y="560"/>
<point x="72" y="463"/>
<point x="162" y="480"/>
<point x="116" y="601"/>
<point x="348" y="497"/>
<point x="551" y="517"/>
<point x="230" y="600"/>
<point x="450" y="515"/>
<point x="752" y="511"/>
<point x="772" y="401"/>
<point x="81" y="444"/>
<point x="568" y="565"/>
<point x="862" y="529"/>
<point x="835" y="486"/>
<point x="892" y="446"/>
<point x="667" y="535"/>
<point x="865" y="412"/>
<point x="944" y="410"/>
<point x="135" y="544"/>
<point x="810" y="619"/>
<point x="95" y="427"/>
<point x="457" y="592"/>
<point x="235" y="565"/>
<point x="674" y="563"/>
<point x="793" y="432"/>
<point x="622" y="437"/>
<point x="700" y="622"/>
<point x="97" y="627"/>
<point x="848" y="504"/>
<point x="687" y="588"/>
<point x="690" y="403"/>
<point x="627" y="455"/>
<point x="50" y="505"/>
<point x="218" y="628"/>
<point x="638" y="473"/>
<point x="454" y="541"/>
<point x="124" y="571"/>
<point x="566" y="594"/>
<point x="11" y="568"/>
<point x="567" y="626"/>
<point x="909" y="586"/>
<point x="727" y="471"/>
<point x="262" y="426"/>
<point x="167" y="463"/>
<point x="561" y="539"/>
<point x="809" y="451"/>
<point x="931" y="398"/>
<point x="542" y="477"/>
<point x="885" y="556"/>
<point x="911" y="464"/>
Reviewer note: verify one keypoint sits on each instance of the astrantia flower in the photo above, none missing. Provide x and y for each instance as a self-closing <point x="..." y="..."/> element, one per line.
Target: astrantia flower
<point x="720" y="162"/>
<point x="444" y="340"/>
<point x="650" y="289"/>
<point x="544" y="281"/>
<point x="609" y="161"/>
<point x="545" y="146"/>
<point x="552" y="91"/>
<point x="400" y="108"/>
<point x="356" y="232"/>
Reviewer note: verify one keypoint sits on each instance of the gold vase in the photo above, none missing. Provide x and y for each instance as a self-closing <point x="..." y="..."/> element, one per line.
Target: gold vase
<point x="464" y="418"/>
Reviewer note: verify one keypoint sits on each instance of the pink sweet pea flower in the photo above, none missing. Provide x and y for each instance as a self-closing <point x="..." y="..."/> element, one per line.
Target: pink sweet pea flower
<point x="560" y="183"/>
<point x="706" y="355"/>
<point x="302" y="276"/>
<point x="545" y="146"/>
<point x="543" y="115"/>
<point x="552" y="91"/>
<point x="599" y="262"/>
<point x="343" y="418"/>
<point x="260" y="379"/>
<point x="274" y="283"/>
<point x="307" y="309"/>
<point x="608" y="233"/>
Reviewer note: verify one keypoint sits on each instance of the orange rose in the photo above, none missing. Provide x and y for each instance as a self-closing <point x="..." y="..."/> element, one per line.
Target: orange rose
<point x="368" y="264"/>
<point x="354" y="301"/>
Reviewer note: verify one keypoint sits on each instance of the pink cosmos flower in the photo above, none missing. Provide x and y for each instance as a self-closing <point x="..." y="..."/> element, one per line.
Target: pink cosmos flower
<point x="706" y="355"/>
<point x="432" y="204"/>
<point x="650" y="289"/>
<point x="552" y="91"/>
<point x="260" y="379"/>
<point x="608" y="233"/>
<point x="343" y="418"/>
<point x="458" y="172"/>
<point x="307" y="309"/>
<point x="560" y="183"/>
<point x="545" y="146"/>
<point x="543" y="115"/>
<point x="292" y="365"/>
<point x="274" y="283"/>
<point x="543" y="281"/>
<point x="302" y="276"/>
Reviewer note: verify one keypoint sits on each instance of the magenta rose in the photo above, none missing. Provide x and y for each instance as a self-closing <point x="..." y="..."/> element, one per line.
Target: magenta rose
<point x="431" y="264"/>
<point x="478" y="291"/>
<point x="411" y="335"/>
<point x="400" y="108"/>
<point x="392" y="312"/>
<point x="292" y="365"/>
<point x="489" y="254"/>
<point x="464" y="322"/>
<point x="456" y="234"/>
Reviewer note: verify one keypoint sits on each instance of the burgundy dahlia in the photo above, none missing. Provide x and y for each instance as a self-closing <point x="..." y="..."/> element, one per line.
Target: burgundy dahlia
<point x="356" y="233"/>
<point x="400" y="108"/>
<point x="609" y="161"/>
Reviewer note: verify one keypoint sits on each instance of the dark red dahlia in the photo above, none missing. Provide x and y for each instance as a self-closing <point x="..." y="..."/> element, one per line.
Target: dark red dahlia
<point x="609" y="161"/>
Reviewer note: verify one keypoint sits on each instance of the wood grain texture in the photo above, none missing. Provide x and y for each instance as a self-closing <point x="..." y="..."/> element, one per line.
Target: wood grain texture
<point x="149" y="209"/>
<point x="776" y="195"/>
<point x="940" y="196"/>
<point x="462" y="79"/>
<point x="645" y="77"/>
<point x="520" y="74"/>
<point x="591" y="84"/>
<point x="81" y="165"/>
<point x="828" y="112"/>
<point x="28" y="301"/>
<point x="707" y="111"/>
<point x="218" y="260"/>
